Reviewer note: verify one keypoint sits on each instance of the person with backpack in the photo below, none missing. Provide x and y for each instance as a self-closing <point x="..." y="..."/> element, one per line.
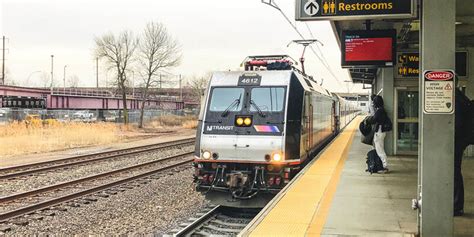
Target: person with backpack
<point x="382" y="125"/>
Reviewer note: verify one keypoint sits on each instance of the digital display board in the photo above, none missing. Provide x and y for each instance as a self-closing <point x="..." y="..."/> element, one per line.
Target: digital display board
<point x="368" y="48"/>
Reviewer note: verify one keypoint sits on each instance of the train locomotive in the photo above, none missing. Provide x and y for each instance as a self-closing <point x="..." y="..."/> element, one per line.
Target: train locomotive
<point x="258" y="128"/>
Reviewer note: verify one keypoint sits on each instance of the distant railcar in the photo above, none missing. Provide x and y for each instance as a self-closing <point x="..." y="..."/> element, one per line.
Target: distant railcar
<point x="22" y="102"/>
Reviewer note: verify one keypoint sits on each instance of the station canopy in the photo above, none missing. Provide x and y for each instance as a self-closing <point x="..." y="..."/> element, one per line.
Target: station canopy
<point x="407" y="35"/>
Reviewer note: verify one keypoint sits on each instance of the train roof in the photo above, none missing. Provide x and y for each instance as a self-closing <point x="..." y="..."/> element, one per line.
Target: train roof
<point x="268" y="78"/>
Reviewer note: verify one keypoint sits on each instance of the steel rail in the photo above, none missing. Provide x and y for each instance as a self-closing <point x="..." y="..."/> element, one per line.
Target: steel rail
<point x="189" y="229"/>
<point x="70" y="161"/>
<point x="51" y="202"/>
<point x="88" y="178"/>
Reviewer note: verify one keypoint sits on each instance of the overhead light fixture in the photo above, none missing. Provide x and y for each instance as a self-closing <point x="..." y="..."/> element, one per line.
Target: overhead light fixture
<point x="458" y="23"/>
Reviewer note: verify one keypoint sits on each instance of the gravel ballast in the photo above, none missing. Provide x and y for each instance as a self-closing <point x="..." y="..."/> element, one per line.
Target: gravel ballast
<point x="155" y="207"/>
<point x="27" y="183"/>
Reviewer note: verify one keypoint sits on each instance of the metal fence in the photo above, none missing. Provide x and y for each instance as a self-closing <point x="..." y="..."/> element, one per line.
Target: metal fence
<point x="10" y="115"/>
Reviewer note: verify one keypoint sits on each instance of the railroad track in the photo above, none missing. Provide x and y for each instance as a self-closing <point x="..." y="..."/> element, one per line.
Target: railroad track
<point x="50" y="197"/>
<point x="40" y="167"/>
<point x="217" y="221"/>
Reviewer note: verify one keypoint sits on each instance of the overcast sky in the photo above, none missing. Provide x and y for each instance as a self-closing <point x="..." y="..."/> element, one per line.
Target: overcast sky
<point x="214" y="35"/>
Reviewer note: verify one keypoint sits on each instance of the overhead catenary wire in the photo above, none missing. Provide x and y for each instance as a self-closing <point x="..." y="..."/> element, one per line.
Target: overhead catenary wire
<point x="322" y="60"/>
<point x="319" y="49"/>
<point x="317" y="46"/>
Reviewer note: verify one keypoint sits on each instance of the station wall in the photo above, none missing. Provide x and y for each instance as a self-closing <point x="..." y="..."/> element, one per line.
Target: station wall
<point x="387" y="82"/>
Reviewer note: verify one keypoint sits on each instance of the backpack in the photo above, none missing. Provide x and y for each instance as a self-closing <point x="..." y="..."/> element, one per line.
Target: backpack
<point x="374" y="163"/>
<point x="367" y="131"/>
<point x="364" y="128"/>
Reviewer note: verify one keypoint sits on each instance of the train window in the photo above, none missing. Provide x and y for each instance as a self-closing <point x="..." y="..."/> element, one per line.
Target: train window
<point x="227" y="98"/>
<point x="268" y="99"/>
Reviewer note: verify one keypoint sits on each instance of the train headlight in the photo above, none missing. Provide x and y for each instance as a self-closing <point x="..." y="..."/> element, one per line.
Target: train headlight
<point x="277" y="157"/>
<point x="243" y="121"/>
<point x="206" y="155"/>
<point x="247" y="121"/>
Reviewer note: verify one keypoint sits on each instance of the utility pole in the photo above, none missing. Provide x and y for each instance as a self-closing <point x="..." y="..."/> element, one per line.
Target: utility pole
<point x="64" y="79"/>
<point x="160" y="80"/>
<point x="52" y="74"/>
<point x="180" y="88"/>
<point x="133" y="84"/>
<point x="97" y="70"/>
<point x="3" y="63"/>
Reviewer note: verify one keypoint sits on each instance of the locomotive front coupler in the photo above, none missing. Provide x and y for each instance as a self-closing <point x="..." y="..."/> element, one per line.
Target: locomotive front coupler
<point x="243" y="193"/>
<point x="221" y="179"/>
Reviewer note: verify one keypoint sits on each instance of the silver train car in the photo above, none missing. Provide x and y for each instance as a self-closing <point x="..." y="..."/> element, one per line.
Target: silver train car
<point x="258" y="129"/>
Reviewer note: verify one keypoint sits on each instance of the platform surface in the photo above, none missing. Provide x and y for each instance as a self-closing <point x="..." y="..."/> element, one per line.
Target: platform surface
<point x="334" y="196"/>
<point x="377" y="204"/>
<point x="301" y="208"/>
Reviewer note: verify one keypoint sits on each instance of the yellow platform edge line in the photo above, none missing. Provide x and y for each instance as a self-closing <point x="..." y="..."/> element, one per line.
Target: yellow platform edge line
<point x="324" y="163"/>
<point x="320" y="216"/>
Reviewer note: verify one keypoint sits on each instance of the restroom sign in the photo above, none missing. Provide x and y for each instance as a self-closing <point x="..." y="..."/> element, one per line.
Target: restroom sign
<point x="438" y="91"/>
<point x="312" y="10"/>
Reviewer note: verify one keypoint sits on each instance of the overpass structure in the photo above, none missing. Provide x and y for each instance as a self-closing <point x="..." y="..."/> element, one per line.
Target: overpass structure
<point x="80" y="99"/>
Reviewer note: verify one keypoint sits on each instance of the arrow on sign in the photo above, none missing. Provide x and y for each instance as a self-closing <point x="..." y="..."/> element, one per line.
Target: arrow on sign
<point x="311" y="7"/>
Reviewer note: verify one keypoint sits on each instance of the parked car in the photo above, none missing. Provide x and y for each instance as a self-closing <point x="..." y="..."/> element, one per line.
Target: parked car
<point x="84" y="116"/>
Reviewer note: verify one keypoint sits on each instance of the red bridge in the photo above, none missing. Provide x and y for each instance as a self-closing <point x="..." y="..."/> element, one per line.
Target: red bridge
<point x="89" y="98"/>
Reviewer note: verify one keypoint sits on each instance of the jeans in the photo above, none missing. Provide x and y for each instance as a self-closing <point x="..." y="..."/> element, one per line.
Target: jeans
<point x="379" y="138"/>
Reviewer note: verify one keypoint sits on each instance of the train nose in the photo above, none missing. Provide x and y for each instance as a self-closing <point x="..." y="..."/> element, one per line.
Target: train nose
<point x="247" y="148"/>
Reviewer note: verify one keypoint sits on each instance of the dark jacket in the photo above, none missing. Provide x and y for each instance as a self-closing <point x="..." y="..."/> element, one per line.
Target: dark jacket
<point x="379" y="118"/>
<point x="461" y="117"/>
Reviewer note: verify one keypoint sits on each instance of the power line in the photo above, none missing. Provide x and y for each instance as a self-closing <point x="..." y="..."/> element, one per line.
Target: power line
<point x="319" y="48"/>
<point x="309" y="30"/>
<point x="273" y="4"/>
<point x="322" y="58"/>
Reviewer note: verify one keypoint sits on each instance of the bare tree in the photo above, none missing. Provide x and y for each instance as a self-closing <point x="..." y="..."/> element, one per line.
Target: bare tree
<point x="158" y="51"/>
<point x="198" y="85"/>
<point x="73" y="81"/>
<point x="7" y="79"/>
<point x="118" y="52"/>
<point x="45" y="79"/>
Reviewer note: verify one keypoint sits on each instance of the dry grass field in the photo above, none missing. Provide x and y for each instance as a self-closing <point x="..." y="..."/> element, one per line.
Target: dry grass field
<point x="18" y="138"/>
<point x="168" y="121"/>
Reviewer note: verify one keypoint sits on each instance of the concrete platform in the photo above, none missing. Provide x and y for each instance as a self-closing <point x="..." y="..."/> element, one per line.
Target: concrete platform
<point x="377" y="204"/>
<point x="350" y="201"/>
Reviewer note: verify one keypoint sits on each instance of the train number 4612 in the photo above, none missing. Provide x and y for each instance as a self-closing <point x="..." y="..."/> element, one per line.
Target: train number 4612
<point x="245" y="81"/>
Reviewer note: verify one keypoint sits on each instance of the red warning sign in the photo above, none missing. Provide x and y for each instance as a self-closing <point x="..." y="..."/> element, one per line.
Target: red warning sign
<point x="438" y="92"/>
<point x="439" y="76"/>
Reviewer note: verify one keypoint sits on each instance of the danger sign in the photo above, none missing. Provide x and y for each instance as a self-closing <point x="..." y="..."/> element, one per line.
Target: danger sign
<point x="438" y="91"/>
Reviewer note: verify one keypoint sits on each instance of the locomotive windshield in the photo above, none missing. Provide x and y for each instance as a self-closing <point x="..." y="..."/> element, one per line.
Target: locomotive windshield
<point x="225" y="99"/>
<point x="268" y="99"/>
